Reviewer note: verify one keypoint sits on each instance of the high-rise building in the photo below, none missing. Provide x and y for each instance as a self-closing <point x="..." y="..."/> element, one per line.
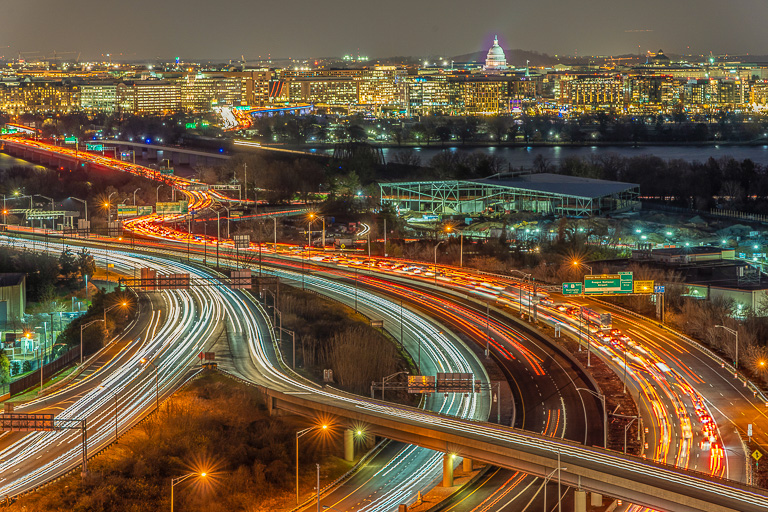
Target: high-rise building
<point x="98" y="97"/>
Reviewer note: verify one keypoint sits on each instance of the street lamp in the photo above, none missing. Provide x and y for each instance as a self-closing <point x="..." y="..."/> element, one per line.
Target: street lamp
<point x="548" y="477"/>
<point x="735" y="333"/>
<point x="48" y="198"/>
<point x="299" y="434"/>
<point x="83" y="326"/>
<point x="312" y="217"/>
<point x="577" y="264"/>
<point x="110" y="308"/>
<point x="108" y="206"/>
<point x="180" y="479"/>
<point x="157" y="193"/>
<point x="449" y="229"/>
<point x="157" y="387"/>
<point x="436" y="246"/>
<point x="605" y="413"/>
<point x="134" y="196"/>
<point x="85" y="203"/>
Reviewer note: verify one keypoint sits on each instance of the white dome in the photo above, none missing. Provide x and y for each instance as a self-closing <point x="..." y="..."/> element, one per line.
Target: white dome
<point x="496" y="59"/>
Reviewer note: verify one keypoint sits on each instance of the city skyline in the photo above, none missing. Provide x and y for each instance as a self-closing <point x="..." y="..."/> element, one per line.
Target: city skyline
<point x="201" y="30"/>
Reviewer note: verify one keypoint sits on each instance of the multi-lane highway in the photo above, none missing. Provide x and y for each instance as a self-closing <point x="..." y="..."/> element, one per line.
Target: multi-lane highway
<point x="176" y="326"/>
<point x="678" y="398"/>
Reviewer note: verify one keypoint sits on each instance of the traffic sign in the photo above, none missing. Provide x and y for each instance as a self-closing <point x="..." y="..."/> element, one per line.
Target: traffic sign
<point x="608" y="283"/>
<point x="757" y="455"/>
<point x="572" y="288"/>
<point x="658" y="288"/>
<point x="70" y="140"/>
<point x="642" y="286"/>
<point x="749" y="430"/>
<point x="94" y="147"/>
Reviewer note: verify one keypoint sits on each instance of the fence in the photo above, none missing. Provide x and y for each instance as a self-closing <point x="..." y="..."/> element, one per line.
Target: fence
<point x="733" y="214"/>
<point x="49" y="370"/>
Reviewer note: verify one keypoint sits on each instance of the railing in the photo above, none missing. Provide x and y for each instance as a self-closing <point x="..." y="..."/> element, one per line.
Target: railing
<point x="49" y="370"/>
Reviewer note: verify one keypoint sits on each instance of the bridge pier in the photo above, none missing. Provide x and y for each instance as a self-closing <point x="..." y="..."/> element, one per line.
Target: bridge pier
<point x="580" y="501"/>
<point x="595" y="499"/>
<point x="349" y="445"/>
<point x="448" y="470"/>
<point x="466" y="465"/>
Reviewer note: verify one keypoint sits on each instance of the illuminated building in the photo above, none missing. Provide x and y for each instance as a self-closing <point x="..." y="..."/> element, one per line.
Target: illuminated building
<point x="324" y="91"/>
<point x="495" y="60"/>
<point x="649" y="93"/>
<point x="476" y="96"/>
<point x="380" y="86"/>
<point x="426" y="95"/>
<point x="100" y="97"/>
<point x="11" y="98"/>
<point x="149" y="97"/>
<point x="200" y="92"/>
<point x="49" y="97"/>
<point x="592" y="93"/>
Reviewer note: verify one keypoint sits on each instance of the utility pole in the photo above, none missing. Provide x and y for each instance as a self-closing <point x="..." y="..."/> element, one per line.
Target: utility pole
<point x="245" y="180"/>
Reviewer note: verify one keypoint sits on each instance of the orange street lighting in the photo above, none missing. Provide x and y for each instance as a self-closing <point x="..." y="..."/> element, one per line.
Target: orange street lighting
<point x="180" y="479"/>
<point x="298" y="435"/>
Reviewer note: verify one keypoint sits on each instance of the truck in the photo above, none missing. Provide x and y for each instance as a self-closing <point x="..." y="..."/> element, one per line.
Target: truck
<point x="603" y="320"/>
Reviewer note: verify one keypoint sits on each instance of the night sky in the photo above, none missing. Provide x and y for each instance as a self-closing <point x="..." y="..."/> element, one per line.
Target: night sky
<point x="225" y="29"/>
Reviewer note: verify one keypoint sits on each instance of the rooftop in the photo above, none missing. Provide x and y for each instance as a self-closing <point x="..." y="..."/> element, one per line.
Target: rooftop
<point x="11" y="279"/>
<point x="561" y="184"/>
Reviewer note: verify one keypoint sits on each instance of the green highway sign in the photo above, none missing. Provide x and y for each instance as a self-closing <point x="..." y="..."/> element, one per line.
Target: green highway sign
<point x="70" y="140"/>
<point x="94" y="147"/>
<point x="608" y="283"/>
<point x="178" y="207"/>
<point x="572" y="288"/>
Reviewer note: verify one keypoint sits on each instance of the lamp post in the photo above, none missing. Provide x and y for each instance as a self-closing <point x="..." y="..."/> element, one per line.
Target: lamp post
<point x="436" y="246"/>
<point x="52" y="208"/>
<point x="178" y="480"/>
<point x="312" y="217"/>
<point x="157" y="386"/>
<point x="577" y="264"/>
<point x="299" y="434"/>
<point x="736" y="334"/>
<point x="86" y="207"/>
<point x="134" y="196"/>
<point x="157" y="194"/>
<point x="83" y="326"/>
<point x="110" y="308"/>
<point x="546" y="480"/>
<point x="601" y="397"/>
<point x="461" y="244"/>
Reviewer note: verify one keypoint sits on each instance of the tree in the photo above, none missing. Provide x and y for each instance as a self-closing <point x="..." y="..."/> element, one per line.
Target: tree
<point x="86" y="264"/>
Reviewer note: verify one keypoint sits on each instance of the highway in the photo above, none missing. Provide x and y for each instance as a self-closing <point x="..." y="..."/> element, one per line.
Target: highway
<point x="181" y="324"/>
<point x="674" y="449"/>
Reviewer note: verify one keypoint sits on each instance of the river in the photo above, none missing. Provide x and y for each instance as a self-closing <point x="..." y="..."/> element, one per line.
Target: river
<point x="7" y="161"/>
<point x="524" y="156"/>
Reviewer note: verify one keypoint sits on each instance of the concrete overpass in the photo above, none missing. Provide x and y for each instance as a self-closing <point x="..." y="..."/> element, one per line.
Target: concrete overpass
<point x="176" y="155"/>
<point x="638" y="481"/>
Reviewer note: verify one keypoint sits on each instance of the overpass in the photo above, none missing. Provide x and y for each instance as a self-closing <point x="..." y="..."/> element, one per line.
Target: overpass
<point x="176" y="155"/>
<point x="650" y="484"/>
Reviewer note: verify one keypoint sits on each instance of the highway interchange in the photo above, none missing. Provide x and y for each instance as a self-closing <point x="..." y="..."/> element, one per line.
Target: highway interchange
<point x="671" y="380"/>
